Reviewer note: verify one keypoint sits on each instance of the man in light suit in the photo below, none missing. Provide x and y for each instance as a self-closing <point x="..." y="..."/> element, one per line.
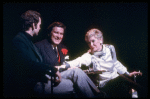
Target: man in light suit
<point x="82" y="84"/>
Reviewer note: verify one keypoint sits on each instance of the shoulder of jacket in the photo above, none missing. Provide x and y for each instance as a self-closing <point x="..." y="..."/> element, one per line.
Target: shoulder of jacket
<point x="20" y="36"/>
<point x="42" y="42"/>
<point x="108" y="45"/>
<point x="62" y="46"/>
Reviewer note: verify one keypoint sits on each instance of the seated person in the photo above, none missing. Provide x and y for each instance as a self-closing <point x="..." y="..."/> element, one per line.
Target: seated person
<point x="27" y="70"/>
<point x="103" y="58"/>
<point x="53" y="52"/>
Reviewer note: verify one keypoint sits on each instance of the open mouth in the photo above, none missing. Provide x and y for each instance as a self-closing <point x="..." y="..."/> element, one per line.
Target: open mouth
<point x="57" y="39"/>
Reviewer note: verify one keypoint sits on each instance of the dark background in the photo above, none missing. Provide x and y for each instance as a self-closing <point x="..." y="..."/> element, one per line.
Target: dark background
<point x="124" y="25"/>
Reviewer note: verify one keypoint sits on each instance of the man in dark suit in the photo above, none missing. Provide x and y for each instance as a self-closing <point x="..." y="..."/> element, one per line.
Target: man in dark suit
<point x="53" y="52"/>
<point x="27" y="74"/>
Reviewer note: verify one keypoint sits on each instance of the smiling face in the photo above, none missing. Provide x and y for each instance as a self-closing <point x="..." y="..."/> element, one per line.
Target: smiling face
<point x="57" y="34"/>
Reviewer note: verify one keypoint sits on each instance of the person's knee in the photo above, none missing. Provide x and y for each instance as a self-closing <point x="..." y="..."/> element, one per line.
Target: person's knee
<point x="78" y="70"/>
<point x="65" y="87"/>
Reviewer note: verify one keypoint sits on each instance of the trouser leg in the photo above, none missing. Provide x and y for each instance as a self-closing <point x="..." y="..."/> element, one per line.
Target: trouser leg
<point x="64" y="89"/>
<point x="82" y="81"/>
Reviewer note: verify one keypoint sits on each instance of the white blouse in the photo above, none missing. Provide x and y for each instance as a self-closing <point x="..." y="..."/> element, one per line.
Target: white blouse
<point x="104" y="62"/>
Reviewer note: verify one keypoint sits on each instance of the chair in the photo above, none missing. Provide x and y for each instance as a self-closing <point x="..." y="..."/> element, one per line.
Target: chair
<point x="94" y="76"/>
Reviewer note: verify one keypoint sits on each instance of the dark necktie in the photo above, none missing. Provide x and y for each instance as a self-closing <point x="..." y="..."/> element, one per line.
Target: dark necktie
<point x="55" y="50"/>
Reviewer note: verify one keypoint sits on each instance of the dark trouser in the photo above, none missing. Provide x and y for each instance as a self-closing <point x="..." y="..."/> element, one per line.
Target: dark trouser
<point x="120" y="87"/>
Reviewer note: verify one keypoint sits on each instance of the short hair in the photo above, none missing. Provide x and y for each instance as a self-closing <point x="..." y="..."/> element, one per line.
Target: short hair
<point x="29" y="17"/>
<point x="93" y="32"/>
<point x="57" y="24"/>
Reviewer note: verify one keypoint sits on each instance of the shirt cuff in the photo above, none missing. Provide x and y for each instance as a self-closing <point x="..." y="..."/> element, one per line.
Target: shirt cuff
<point x="67" y="65"/>
<point x="126" y="73"/>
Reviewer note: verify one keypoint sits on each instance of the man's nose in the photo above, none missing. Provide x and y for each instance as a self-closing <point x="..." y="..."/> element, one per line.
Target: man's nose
<point x="60" y="36"/>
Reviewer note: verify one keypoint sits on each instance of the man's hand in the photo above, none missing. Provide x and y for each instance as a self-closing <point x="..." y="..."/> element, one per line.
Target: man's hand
<point x="57" y="78"/>
<point x="62" y="66"/>
<point x="72" y="68"/>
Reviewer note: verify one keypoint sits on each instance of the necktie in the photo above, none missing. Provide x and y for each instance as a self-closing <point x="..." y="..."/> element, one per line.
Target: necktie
<point x="57" y="54"/>
<point x="55" y="50"/>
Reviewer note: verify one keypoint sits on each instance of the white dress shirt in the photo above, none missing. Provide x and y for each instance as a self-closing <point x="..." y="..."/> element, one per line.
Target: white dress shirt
<point x="103" y="62"/>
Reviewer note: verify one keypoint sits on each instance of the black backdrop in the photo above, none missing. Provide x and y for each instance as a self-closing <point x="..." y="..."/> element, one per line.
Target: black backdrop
<point x="125" y="25"/>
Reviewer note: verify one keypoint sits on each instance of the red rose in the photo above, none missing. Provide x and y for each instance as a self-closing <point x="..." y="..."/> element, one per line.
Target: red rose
<point x="64" y="51"/>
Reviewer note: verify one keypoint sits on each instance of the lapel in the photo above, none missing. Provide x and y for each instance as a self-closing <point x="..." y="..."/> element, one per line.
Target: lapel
<point x="34" y="49"/>
<point x="61" y="54"/>
<point x="49" y="51"/>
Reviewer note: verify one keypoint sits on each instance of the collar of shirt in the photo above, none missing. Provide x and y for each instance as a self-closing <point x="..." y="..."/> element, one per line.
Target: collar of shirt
<point x="28" y="36"/>
<point x="53" y="47"/>
<point x="100" y="53"/>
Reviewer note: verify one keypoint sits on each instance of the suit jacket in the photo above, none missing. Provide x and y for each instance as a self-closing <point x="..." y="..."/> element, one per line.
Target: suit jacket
<point x="48" y="54"/>
<point x="28" y="68"/>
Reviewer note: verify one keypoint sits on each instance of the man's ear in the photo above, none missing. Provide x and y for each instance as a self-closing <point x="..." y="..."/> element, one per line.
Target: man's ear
<point x="34" y="26"/>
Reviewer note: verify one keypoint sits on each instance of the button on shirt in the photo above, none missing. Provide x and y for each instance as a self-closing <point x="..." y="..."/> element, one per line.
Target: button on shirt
<point x="103" y="62"/>
<point x="55" y="50"/>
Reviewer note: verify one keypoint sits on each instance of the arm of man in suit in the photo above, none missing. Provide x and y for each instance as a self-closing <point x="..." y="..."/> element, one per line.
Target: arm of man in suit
<point x="21" y="53"/>
<point x="57" y="76"/>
